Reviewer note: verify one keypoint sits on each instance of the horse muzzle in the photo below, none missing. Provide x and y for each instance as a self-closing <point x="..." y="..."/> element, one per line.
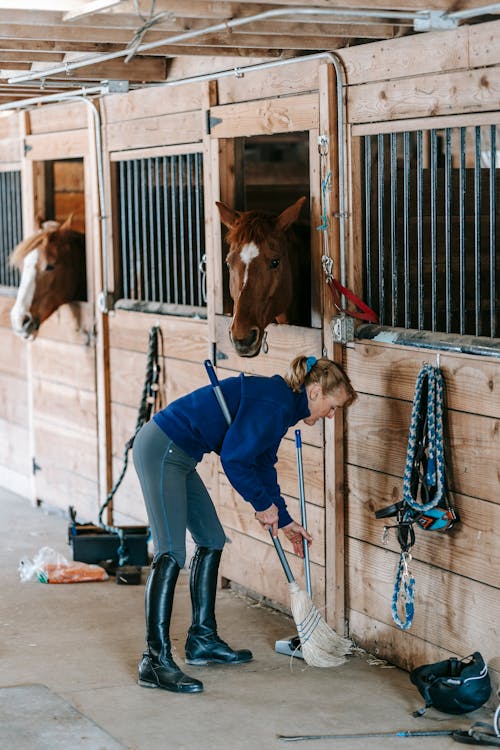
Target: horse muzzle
<point x="249" y="346"/>
<point x="27" y="328"/>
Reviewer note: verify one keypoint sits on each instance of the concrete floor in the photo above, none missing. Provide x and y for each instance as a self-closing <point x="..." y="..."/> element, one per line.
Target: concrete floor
<point x="83" y="641"/>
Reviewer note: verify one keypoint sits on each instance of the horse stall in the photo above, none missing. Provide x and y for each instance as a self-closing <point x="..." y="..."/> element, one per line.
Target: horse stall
<point x="394" y="150"/>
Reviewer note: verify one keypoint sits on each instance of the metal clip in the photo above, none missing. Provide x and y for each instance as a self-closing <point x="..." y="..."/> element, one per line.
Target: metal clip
<point x="323" y="141"/>
<point x="327" y="263"/>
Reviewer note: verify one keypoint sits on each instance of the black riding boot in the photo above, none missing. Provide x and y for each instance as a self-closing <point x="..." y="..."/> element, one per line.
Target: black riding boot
<point x="157" y="668"/>
<point x="203" y="645"/>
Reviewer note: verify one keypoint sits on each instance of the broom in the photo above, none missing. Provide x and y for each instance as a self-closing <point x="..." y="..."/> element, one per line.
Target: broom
<point x="321" y="646"/>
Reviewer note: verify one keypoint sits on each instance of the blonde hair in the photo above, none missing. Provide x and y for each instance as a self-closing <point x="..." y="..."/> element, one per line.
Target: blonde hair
<point x="302" y="372"/>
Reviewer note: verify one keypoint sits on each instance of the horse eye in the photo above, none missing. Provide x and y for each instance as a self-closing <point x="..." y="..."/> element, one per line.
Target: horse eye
<point x="274" y="263"/>
<point x="49" y="267"/>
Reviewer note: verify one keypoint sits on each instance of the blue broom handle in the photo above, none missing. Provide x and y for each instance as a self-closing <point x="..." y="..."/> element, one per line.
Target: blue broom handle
<point x="303" y="520"/>
<point x="218" y="393"/>
<point x="227" y="414"/>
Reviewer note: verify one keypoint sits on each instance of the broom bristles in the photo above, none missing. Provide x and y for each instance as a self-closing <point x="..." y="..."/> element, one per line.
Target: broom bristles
<point x="321" y="646"/>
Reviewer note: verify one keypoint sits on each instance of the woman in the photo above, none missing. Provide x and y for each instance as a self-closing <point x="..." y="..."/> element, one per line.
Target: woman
<point x="166" y="451"/>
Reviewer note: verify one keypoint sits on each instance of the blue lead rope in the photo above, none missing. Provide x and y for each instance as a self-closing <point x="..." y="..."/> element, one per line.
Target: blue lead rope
<point x="426" y="432"/>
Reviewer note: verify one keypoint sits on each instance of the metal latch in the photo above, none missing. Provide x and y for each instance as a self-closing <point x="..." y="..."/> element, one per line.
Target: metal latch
<point x="342" y="328"/>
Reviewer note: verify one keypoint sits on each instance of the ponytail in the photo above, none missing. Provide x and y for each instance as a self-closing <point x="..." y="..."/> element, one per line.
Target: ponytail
<point x="303" y="371"/>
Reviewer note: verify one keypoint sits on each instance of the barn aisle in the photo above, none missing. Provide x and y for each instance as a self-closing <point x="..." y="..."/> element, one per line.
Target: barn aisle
<point x="73" y="649"/>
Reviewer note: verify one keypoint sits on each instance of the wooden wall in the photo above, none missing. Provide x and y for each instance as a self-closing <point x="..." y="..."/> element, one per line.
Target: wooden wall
<point x="429" y="81"/>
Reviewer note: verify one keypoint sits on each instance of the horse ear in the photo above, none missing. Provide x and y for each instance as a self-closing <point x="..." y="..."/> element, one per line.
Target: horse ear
<point x="227" y="215"/>
<point x="290" y="214"/>
<point x="68" y="222"/>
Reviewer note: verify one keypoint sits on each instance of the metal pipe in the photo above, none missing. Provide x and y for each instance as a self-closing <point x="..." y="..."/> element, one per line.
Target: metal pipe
<point x="224" y="26"/>
<point x="461" y="15"/>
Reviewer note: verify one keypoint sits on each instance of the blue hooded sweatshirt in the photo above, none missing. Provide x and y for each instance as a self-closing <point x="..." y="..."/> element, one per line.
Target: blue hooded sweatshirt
<point x="262" y="410"/>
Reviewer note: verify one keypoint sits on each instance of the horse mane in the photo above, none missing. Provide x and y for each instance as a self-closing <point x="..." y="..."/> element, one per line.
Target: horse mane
<point x="34" y="240"/>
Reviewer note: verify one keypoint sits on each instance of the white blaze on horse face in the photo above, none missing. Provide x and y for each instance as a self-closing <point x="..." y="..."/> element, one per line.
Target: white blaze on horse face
<point x="24" y="293"/>
<point x="247" y="254"/>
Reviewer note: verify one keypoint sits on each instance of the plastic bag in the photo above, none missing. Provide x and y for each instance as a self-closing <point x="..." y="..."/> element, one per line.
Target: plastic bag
<point x="49" y="566"/>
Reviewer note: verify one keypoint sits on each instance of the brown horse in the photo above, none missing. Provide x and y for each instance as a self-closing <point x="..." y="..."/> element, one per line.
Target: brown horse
<point x="263" y="253"/>
<point x="52" y="265"/>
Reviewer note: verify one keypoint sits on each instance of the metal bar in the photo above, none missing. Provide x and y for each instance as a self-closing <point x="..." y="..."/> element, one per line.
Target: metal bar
<point x="136" y="287"/>
<point x="420" y="283"/>
<point x="189" y="225"/>
<point x="408" y="733"/>
<point x="166" y="219"/>
<point x="3" y="243"/>
<point x="493" y="227"/>
<point x="123" y="167"/>
<point x="380" y="214"/>
<point x="144" y="232"/>
<point x="159" y="223"/>
<point x="175" y="247"/>
<point x="394" y="219"/>
<point x="198" y="224"/>
<point x="477" y="230"/>
<point x="461" y="214"/>
<point x="181" y="250"/>
<point x="433" y="209"/>
<point x="406" y="226"/>
<point x="447" y="228"/>
<point x="19" y="218"/>
<point x="367" y="140"/>
<point x="151" y="271"/>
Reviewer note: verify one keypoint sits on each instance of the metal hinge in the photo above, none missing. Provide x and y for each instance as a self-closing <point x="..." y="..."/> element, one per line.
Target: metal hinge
<point x="342" y="328"/>
<point x="212" y="122"/>
<point x="34" y="466"/>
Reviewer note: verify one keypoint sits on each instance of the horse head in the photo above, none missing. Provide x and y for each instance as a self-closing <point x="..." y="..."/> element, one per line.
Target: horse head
<point x="52" y="265"/>
<point x="260" y="272"/>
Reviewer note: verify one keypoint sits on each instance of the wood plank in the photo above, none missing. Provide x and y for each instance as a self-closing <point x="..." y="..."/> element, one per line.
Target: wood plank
<point x="249" y="562"/>
<point x="15" y="450"/>
<point x="238" y="515"/>
<point x="72" y="324"/>
<point x="377" y="436"/>
<point x="65" y="446"/>
<point x="48" y="119"/>
<point x="147" y="102"/>
<point x="269" y="116"/>
<point x="408" y="56"/>
<point x="289" y="79"/>
<point x="184" y="127"/>
<point x="483" y="44"/>
<point x="65" y="144"/>
<point x="425" y="96"/>
<point x="10" y="126"/>
<point x="284" y="342"/>
<point x="184" y="337"/>
<point x="470" y="549"/>
<point x="58" y="488"/>
<point x="64" y="405"/>
<point x="472" y="384"/>
<point x="15" y="363"/>
<point x="11" y="150"/>
<point x="13" y="405"/>
<point x="66" y="364"/>
<point x="450" y="611"/>
<point x="398" y="647"/>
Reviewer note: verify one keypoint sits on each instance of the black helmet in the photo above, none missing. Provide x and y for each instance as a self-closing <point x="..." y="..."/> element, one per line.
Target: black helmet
<point x="454" y="686"/>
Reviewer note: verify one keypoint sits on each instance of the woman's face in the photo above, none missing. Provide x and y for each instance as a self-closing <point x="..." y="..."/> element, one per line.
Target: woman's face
<point x="324" y="406"/>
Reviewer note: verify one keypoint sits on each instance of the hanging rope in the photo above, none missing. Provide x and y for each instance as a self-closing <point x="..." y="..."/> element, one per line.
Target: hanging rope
<point x="150" y="401"/>
<point x="424" y="476"/>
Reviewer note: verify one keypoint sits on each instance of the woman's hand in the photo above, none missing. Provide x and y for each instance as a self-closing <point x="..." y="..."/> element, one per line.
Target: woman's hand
<point x="268" y="518"/>
<point x="296" y="534"/>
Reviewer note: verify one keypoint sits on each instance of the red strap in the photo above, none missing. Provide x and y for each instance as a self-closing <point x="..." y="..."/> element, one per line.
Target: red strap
<point x="366" y="313"/>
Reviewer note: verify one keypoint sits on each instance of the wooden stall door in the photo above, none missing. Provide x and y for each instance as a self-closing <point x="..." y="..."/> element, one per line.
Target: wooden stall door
<point x="243" y="138"/>
<point x="62" y="378"/>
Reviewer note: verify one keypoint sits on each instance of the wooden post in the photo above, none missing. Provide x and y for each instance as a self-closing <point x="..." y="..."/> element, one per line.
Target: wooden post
<point x="334" y="428"/>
